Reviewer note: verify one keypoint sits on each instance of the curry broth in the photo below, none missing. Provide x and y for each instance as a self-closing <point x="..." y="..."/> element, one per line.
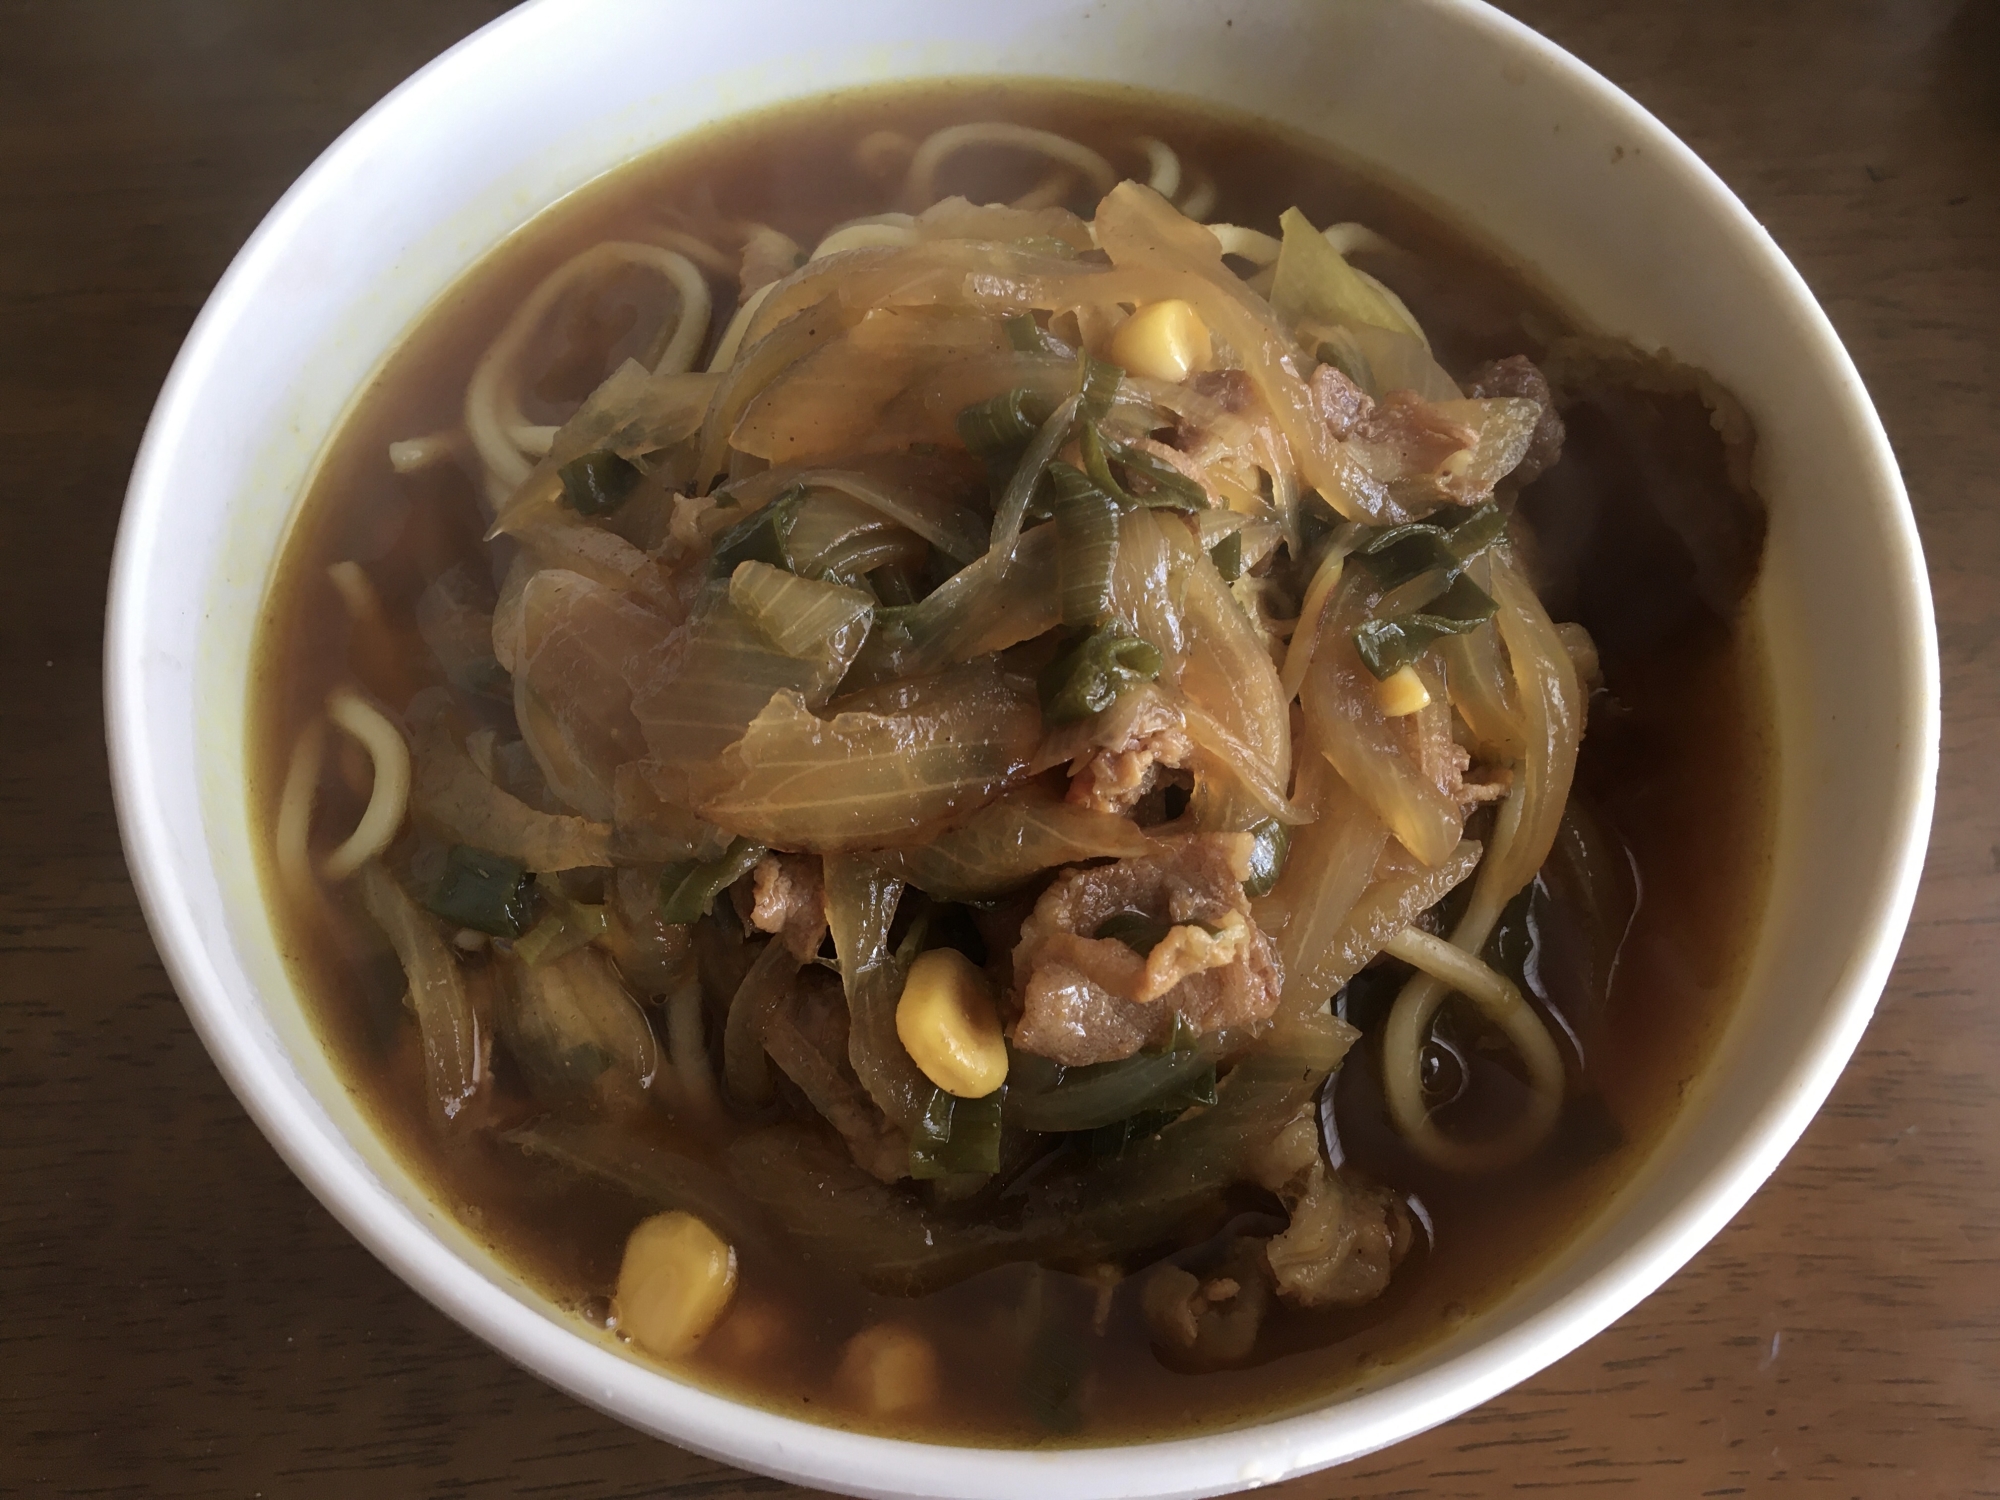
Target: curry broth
<point x="1676" y="762"/>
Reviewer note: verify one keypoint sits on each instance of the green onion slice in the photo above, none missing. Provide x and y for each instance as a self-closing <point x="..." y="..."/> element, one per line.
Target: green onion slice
<point x="1267" y="856"/>
<point x="688" y="888"/>
<point x="597" y="483"/>
<point x="1087" y="678"/>
<point x="1167" y="487"/>
<point x="1387" y="646"/>
<point x="487" y="892"/>
<point x="1396" y="554"/>
<point x="1086" y="555"/>
<point x="1097" y="388"/>
<point x="1004" y="424"/>
<point x="759" y="536"/>
<point x="1227" y="555"/>
<point x="1024" y="334"/>
<point x="957" y="1135"/>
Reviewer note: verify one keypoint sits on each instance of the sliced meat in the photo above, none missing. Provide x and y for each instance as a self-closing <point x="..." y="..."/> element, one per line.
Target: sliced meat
<point x="807" y="1039"/>
<point x="1112" y="777"/>
<point x="1183" y="464"/>
<point x="1232" y="390"/>
<point x="1087" y="999"/>
<point x="767" y="257"/>
<point x="1412" y="433"/>
<point x="1339" y="401"/>
<point x="789" y="900"/>
<point x="1347" y="1234"/>
<point x="1477" y="784"/>
<point x="1517" y="375"/>
<point x="1446" y="764"/>
<point x="1207" y="1322"/>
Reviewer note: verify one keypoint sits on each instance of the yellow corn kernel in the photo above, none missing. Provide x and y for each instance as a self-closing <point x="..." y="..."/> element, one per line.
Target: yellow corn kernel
<point x="1165" y="340"/>
<point x="675" y="1283"/>
<point x="1402" y="692"/>
<point x="887" y="1371"/>
<point x="751" y="1333"/>
<point x="947" y="1024"/>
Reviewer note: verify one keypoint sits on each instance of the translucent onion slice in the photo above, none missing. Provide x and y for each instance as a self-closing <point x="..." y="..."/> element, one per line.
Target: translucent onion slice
<point x="454" y="1045"/>
<point x="945" y="747"/>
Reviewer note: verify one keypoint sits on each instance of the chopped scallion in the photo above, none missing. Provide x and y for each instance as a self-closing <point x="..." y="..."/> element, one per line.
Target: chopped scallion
<point x="1137" y="931"/>
<point x="1227" y="555"/>
<point x="1005" y="423"/>
<point x="1477" y="531"/>
<point x="1097" y="467"/>
<point x="1397" y="554"/>
<point x="688" y="888"/>
<point x="485" y="891"/>
<point x="568" y="926"/>
<point x="957" y="1135"/>
<point x="1165" y="487"/>
<point x="1267" y="856"/>
<point x="1097" y="388"/>
<point x="1387" y="646"/>
<point x="1108" y="1142"/>
<point x="1087" y="678"/>
<point x="1024" y="335"/>
<point x="759" y="536"/>
<point x="1086" y="554"/>
<point x="597" y="483"/>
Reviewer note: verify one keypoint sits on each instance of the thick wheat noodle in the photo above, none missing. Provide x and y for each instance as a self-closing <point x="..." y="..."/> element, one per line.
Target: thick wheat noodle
<point x="700" y="251"/>
<point x="883" y="153"/>
<point x="1252" y="245"/>
<point x="1499" y="877"/>
<point x="1163" y="166"/>
<point x="357" y="591"/>
<point x="1503" y="1005"/>
<point x="731" y="342"/>
<point x="295" y="809"/>
<point x="920" y="182"/>
<point x="866" y="234"/>
<point x="1350" y="237"/>
<point x="1200" y="200"/>
<point x="492" y="406"/>
<point x="1419" y="999"/>
<point x="1050" y="191"/>
<point x="689" y="1051"/>
<point x="388" y="798"/>
<point x="534" y="438"/>
<point x="410" y="455"/>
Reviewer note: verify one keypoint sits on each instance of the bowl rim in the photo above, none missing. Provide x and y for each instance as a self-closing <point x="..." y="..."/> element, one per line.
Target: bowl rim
<point x="721" y="1427"/>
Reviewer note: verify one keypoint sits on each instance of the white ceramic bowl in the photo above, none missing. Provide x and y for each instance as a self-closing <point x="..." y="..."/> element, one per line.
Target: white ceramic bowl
<point x="1516" y="141"/>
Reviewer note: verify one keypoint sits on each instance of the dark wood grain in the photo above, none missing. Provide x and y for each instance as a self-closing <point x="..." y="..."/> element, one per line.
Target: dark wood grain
<point x="178" y="1317"/>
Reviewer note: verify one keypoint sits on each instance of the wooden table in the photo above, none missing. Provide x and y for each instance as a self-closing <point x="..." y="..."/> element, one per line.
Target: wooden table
<point x="178" y="1316"/>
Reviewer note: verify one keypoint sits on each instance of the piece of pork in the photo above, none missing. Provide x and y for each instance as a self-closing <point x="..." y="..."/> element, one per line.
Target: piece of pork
<point x="1124" y="762"/>
<point x="1208" y="1322"/>
<point x="1517" y="375"/>
<point x="1411" y="435"/>
<point x="807" y="1039"/>
<point x="1347" y="1234"/>
<point x="768" y="256"/>
<point x="790" y="900"/>
<point x="1232" y="390"/>
<point x="1341" y="403"/>
<point x="1085" y="999"/>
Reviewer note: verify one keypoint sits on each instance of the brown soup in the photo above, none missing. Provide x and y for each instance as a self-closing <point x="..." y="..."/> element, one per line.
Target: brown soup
<point x="1671" y="778"/>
